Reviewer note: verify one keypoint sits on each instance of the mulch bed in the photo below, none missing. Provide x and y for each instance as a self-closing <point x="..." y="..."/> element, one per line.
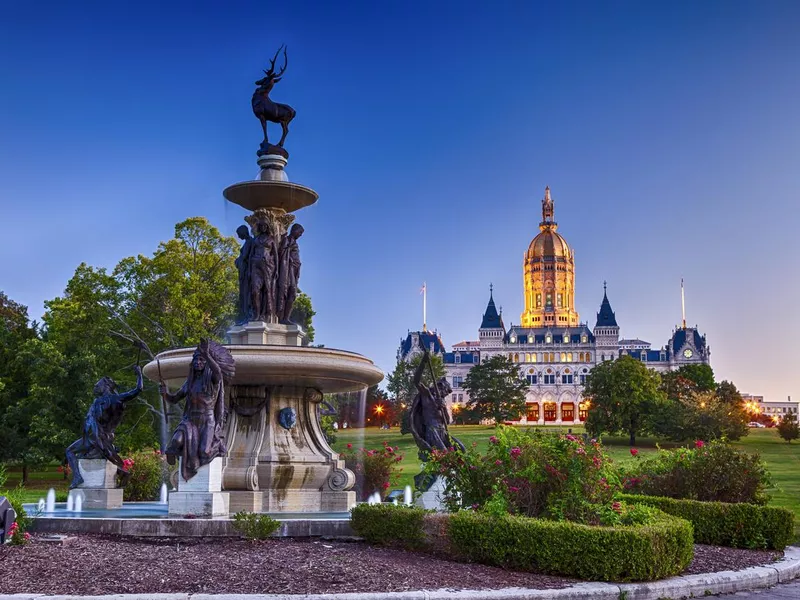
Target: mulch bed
<point x="104" y="565"/>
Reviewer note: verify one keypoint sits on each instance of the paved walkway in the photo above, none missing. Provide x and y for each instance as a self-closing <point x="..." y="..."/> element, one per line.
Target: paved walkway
<point x="786" y="591"/>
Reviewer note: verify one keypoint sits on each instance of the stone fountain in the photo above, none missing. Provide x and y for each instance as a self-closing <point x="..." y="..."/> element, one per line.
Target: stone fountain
<point x="276" y="459"/>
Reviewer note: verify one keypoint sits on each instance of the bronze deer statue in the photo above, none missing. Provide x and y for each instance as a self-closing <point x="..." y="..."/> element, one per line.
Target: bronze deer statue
<point x="265" y="109"/>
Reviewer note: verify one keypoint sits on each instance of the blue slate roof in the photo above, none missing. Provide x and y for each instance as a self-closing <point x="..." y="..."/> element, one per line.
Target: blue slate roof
<point x="679" y="339"/>
<point x="650" y="355"/>
<point x="538" y="335"/>
<point x="606" y="318"/>
<point x="467" y="358"/>
<point x="491" y="318"/>
<point x="425" y="338"/>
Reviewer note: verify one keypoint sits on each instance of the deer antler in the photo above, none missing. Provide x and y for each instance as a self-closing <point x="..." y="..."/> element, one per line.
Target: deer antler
<point x="271" y="71"/>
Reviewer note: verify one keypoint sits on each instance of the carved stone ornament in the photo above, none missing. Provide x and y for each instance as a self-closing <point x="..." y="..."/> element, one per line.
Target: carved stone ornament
<point x="312" y="395"/>
<point x="340" y="480"/>
<point x="277" y="219"/>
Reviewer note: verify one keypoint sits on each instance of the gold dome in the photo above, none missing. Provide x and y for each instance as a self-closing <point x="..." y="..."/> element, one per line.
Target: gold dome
<point x="548" y="244"/>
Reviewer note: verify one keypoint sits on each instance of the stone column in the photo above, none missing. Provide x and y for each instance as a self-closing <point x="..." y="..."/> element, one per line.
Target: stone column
<point x="99" y="485"/>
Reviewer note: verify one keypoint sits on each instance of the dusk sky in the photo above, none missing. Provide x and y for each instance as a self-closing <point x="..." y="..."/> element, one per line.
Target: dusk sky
<point x="668" y="132"/>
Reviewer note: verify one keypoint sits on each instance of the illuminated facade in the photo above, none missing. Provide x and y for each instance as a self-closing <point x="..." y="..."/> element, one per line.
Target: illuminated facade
<point x="554" y="350"/>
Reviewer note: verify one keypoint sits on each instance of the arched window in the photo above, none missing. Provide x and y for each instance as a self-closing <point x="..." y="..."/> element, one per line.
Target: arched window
<point x="584" y="339"/>
<point x="516" y="358"/>
<point x="602" y="357"/>
<point x="548" y="339"/>
<point x="566" y="338"/>
<point x="569" y="356"/>
<point x="532" y="378"/>
<point x="549" y="377"/>
<point x="563" y="357"/>
<point x="566" y="376"/>
<point x="533" y="357"/>
<point x="552" y="357"/>
<point x="584" y="373"/>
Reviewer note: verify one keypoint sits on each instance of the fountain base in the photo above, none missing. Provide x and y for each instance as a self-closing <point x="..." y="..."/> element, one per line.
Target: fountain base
<point x="99" y="487"/>
<point x="259" y="332"/>
<point x="202" y="495"/>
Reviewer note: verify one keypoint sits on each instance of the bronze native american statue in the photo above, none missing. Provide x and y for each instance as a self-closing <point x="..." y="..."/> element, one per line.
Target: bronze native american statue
<point x="429" y="418"/>
<point x="198" y="438"/>
<point x="266" y="110"/>
<point x="104" y="415"/>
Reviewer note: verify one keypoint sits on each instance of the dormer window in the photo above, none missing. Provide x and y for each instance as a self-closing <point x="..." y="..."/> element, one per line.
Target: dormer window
<point x="548" y="339"/>
<point x="566" y="338"/>
<point x="584" y="339"/>
<point x="644" y="356"/>
<point x="513" y="339"/>
<point x="458" y="358"/>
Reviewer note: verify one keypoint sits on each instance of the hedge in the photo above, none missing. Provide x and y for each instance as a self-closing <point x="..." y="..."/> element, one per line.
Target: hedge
<point x="738" y="525"/>
<point x="660" y="549"/>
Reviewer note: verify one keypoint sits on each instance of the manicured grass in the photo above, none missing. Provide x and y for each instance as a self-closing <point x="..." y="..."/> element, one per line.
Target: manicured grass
<point x="782" y="459"/>
<point x="38" y="482"/>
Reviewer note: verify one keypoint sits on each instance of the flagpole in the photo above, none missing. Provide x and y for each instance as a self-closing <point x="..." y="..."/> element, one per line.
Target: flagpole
<point x="424" y="306"/>
<point x="683" y="305"/>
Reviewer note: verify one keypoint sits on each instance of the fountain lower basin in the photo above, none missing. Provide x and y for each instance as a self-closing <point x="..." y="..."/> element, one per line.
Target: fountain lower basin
<point x="278" y="460"/>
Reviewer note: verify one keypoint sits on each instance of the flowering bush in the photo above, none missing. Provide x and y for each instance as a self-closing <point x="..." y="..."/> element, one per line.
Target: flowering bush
<point x="375" y="470"/>
<point x="148" y="470"/>
<point x="18" y="534"/>
<point x="532" y="473"/>
<point x="712" y="471"/>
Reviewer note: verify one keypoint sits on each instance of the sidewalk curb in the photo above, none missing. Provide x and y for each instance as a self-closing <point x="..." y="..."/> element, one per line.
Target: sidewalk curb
<point x="704" y="584"/>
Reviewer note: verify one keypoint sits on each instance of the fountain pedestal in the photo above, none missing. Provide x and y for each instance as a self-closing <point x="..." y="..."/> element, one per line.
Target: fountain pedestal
<point x="202" y="495"/>
<point x="259" y="332"/>
<point x="99" y="485"/>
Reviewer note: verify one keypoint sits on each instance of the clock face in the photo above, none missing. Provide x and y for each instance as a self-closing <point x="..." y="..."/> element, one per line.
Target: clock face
<point x="688" y="353"/>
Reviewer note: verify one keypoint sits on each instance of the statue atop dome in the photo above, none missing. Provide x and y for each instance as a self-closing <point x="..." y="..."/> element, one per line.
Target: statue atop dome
<point x="266" y="110"/>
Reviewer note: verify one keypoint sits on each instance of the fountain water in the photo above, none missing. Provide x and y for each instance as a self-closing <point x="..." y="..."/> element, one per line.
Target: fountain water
<point x="70" y="501"/>
<point x="78" y="503"/>
<point x="50" y="504"/>
<point x="408" y="498"/>
<point x="162" y="498"/>
<point x="41" y="505"/>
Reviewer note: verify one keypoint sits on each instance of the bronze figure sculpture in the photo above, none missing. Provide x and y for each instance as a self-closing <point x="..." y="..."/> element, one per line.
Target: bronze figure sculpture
<point x="288" y="272"/>
<point x="263" y="273"/>
<point x="266" y="110"/>
<point x="198" y="438"/>
<point x="102" y="419"/>
<point x="243" y="266"/>
<point x="429" y="419"/>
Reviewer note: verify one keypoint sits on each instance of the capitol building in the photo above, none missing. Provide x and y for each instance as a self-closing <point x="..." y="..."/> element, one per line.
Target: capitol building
<point x="554" y="349"/>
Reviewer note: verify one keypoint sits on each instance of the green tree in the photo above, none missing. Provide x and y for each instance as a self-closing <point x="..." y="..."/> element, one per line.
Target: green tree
<point x="302" y="314"/>
<point x="788" y="428"/>
<point x="622" y="393"/>
<point x="496" y="390"/>
<point x="400" y="384"/>
<point x="702" y="376"/>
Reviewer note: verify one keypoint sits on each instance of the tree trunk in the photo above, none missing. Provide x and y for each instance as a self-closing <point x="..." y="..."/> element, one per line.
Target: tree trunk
<point x="163" y="427"/>
<point x="633" y="437"/>
<point x="24" y="474"/>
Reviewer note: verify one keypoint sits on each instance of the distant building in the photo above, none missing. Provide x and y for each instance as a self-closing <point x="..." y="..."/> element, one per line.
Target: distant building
<point x="555" y="351"/>
<point x="773" y="409"/>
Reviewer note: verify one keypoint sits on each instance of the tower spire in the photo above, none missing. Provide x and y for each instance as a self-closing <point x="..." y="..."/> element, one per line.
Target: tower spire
<point x="424" y="292"/>
<point x="548" y="211"/>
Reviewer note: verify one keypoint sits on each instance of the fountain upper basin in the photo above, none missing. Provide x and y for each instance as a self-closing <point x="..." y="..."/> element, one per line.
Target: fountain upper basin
<point x="284" y="195"/>
<point x="325" y="369"/>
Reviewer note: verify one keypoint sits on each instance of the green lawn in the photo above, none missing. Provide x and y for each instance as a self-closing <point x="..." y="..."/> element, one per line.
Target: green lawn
<point x="38" y="482"/>
<point x="782" y="459"/>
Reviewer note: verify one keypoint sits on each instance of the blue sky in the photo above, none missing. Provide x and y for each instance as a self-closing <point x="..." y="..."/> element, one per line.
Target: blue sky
<point x="668" y="132"/>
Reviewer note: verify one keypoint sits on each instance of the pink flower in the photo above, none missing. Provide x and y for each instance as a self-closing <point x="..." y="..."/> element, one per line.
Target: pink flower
<point x="498" y="462"/>
<point x="472" y="467"/>
<point x="511" y="488"/>
<point x="386" y="485"/>
<point x="493" y="440"/>
<point x="27" y="536"/>
<point x="699" y="444"/>
<point x="398" y="458"/>
<point x="475" y="507"/>
<point x="596" y="461"/>
<point x="571" y="437"/>
<point x="349" y="446"/>
<point x="634" y="452"/>
<point x="580" y="451"/>
<point x="515" y="452"/>
<point x="158" y="451"/>
<point x="616" y="507"/>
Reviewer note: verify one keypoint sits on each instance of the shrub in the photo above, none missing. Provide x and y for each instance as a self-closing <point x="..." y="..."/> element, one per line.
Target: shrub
<point x="3" y="476"/>
<point x="254" y="526"/>
<point x="533" y="473"/>
<point x="738" y="525"/>
<point x="660" y="548"/>
<point x="375" y="470"/>
<point x="709" y="472"/>
<point x="390" y="525"/>
<point x="148" y="469"/>
<point x="788" y="428"/>
<point x="18" y="535"/>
